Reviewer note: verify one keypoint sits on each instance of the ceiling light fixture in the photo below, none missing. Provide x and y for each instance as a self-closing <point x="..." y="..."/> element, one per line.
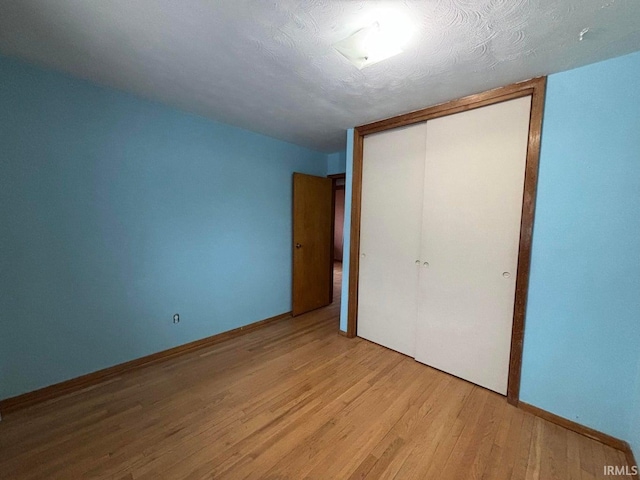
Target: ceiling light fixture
<point x="583" y="32"/>
<point x="376" y="42"/>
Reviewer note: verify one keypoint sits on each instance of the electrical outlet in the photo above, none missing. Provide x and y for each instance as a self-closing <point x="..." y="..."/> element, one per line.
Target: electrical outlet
<point x="176" y="318"/>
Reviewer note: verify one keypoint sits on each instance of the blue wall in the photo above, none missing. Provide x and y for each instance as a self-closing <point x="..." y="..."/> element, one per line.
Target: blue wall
<point x="344" y="295"/>
<point x="117" y="213"/>
<point x="336" y="163"/>
<point x="634" y="432"/>
<point x="582" y="337"/>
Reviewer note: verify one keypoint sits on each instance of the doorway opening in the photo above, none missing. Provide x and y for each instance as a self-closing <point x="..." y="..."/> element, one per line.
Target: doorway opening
<point x="317" y="243"/>
<point x="338" y="233"/>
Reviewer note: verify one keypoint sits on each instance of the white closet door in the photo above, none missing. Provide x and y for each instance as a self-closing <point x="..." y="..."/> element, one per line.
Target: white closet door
<point x="391" y="223"/>
<point x="473" y="187"/>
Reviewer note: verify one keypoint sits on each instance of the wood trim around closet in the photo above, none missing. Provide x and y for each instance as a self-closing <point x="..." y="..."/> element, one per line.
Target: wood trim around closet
<point x="534" y="87"/>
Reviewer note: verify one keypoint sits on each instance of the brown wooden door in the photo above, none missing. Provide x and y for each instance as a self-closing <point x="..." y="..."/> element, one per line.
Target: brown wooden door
<point x="312" y="242"/>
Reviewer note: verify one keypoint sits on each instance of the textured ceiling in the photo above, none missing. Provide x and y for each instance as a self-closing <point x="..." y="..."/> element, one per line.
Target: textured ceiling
<point x="268" y="66"/>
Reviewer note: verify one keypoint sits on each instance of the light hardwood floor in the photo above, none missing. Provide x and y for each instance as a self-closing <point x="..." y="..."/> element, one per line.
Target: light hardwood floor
<point x="293" y="400"/>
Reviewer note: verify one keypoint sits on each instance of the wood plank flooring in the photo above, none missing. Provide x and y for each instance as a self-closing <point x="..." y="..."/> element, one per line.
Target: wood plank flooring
<point x="293" y="400"/>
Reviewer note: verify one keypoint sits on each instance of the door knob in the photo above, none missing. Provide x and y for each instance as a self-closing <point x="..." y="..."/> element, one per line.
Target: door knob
<point x="506" y="274"/>
<point x="298" y="245"/>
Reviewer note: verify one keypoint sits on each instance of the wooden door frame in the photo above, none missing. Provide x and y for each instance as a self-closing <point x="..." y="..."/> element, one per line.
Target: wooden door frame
<point x="534" y="87"/>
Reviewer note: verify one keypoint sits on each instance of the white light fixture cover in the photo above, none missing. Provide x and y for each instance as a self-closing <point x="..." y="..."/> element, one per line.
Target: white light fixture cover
<point x="373" y="44"/>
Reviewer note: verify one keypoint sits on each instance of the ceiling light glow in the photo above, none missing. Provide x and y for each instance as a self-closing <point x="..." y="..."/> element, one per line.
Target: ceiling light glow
<point x="378" y="41"/>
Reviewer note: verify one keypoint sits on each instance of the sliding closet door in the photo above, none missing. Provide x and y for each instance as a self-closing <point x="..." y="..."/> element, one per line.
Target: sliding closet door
<point x="392" y="185"/>
<point x="473" y="187"/>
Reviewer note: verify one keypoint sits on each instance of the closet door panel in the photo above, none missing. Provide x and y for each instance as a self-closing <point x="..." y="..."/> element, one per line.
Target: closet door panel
<point x="473" y="187"/>
<point x="391" y="223"/>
